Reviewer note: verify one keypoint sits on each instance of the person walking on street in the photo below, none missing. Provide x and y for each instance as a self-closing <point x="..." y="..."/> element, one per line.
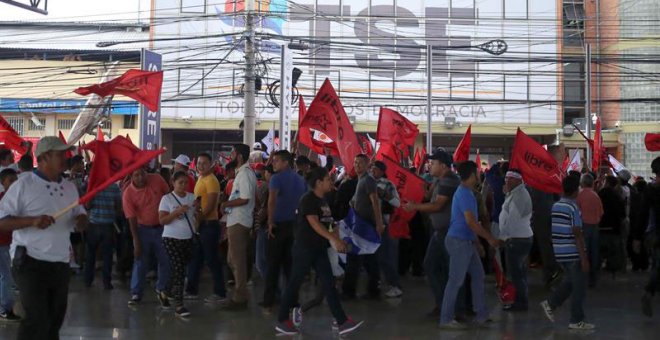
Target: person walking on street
<point x="570" y="251"/>
<point x="516" y="232"/>
<point x="592" y="210"/>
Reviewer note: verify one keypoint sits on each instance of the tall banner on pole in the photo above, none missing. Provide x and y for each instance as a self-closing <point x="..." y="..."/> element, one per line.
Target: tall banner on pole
<point x="285" y="98"/>
<point x="150" y="120"/>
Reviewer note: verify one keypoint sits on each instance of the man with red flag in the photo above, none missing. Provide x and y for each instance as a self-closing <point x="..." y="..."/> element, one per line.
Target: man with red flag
<point x="462" y="152"/>
<point x="326" y="114"/>
<point x="143" y="86"/>
<point x="41" y="255"/>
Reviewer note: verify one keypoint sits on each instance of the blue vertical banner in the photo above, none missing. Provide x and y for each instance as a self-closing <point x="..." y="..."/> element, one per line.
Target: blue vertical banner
<point x="150" y="120"/>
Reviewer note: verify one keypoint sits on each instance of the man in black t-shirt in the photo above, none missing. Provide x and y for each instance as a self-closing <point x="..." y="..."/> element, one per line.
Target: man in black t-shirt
<point x="310" y="249"/>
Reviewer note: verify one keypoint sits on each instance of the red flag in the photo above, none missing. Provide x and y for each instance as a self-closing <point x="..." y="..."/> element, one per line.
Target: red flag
<point x="99" y="134"/>
<point x="462" y="152"/>
<point x="327" y="115"/>
<point x="114" y="160"/>
<point x="410" y="188"/>
<point x="564" y="165"/>
<point x="478" y="161"/>
<point x="539" y="169"/>
<point x="396" y="129"/>
<point x="652" y="141"/>
<point x="305" y="134"/>
<point x="366" y="145"/>
<point x="388" y="150"/>
<point x="422" y="160"/>
<point x="417" y="159"/>
<point x="143" y="86"/>
<point x="10" y="138"/>
<point x="69" y="153"/>
<point x="598" y="147"/>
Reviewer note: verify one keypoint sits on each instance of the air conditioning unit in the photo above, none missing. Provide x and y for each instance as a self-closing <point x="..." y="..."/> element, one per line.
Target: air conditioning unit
<point x="581" y="123"/>
<point x="450" y="122"/>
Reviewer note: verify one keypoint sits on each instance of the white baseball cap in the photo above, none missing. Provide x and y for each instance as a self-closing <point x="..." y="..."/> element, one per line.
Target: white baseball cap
<point x="182" y="159"/>
<point x="256" y="146"/>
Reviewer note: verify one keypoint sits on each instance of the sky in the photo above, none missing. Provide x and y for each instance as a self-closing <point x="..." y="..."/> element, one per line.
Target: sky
<point x="80" y="10"/>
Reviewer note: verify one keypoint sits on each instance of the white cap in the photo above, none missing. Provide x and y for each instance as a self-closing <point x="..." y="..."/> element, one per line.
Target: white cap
<point x="182" y="159"/>
<point x="256" y="146"/>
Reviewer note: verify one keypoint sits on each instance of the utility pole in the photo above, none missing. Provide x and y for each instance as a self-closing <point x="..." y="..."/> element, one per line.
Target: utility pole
<point x="249" y="117"/>
<point x="587" y="97"/>
<point x="429" y="97"/>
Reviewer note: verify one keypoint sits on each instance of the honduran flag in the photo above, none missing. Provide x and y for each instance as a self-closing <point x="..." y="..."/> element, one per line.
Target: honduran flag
<point x="359" y="234"/>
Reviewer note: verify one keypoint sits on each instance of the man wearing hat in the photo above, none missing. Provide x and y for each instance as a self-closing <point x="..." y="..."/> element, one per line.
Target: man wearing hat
<point x="182" y="163"/>
<point x="436" y="262"/>
<point x="516" y="232"/>
<point x="257" y="155"/>
<point x="41" y="243"/>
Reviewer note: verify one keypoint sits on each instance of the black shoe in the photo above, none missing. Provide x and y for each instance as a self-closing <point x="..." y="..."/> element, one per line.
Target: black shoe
<point x="163" y="299"/>
<point x="182" y="312"/>
<point x="647" y="308"/>
<point x="9" y="317"/>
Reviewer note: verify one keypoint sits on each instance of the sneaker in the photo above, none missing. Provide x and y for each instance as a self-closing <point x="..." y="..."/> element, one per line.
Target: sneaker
<point x="9" y="316"/>
<point x="393" y="293"/>
<point x="182" y="312"/>
<point x="286" y="328"/>
<point x="349" y="326"/>
<point x="163" y="299"/>
<point x="454" y="325"/>
<point x="215" y="298"/>
<point x="296" y="316"/>
<point x="135" y="299"/>
<point x="581" y="326"/>
<point x="647" y="308"/>
<point x="547" y="310"/>
<point x="189" y="296"/>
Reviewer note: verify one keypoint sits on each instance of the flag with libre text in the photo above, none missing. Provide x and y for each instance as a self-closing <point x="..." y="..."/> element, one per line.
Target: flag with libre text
<point x="326" y="114"/>
<point x="539" y="169"/>
<point x="143" y="86"/>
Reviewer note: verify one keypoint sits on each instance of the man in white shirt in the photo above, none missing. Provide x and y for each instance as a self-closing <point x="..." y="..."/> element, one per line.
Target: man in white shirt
<point x="516" y="232"/>
<point x="41" y="243"/>
<point x="240" y="217"/>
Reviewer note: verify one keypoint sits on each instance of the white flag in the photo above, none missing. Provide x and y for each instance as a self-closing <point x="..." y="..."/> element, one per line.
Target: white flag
<point x="269" y="141"/>
<point x="616" y="164"/>
<point x="372" y="141"/>
<point x="576" y="163"/>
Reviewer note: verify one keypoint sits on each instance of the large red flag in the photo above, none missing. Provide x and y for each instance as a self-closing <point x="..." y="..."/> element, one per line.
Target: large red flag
<point x="462" y="152"/>
<point x="143" y="86"/>
<point x="114" y="160"/>
<point x="396" y="129"/>
<point x="10" y="138"/>
<point x="652" y="141"/>
<point x="306" y="137"/>
<point x="598" y="147"/>
<point x="388" y="150"/>
<point x="410" y="188"/>
<point x="326" y="114"/>
<point x="69" y="153"/>
<point x="539" y="169"/>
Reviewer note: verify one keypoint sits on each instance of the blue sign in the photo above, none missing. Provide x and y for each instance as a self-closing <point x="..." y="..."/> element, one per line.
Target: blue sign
<point x="46" y="106"/>
<point x="150" y="120"/>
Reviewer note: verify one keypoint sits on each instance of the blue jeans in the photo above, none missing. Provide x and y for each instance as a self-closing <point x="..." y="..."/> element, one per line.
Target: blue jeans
<point x="151" y="241"/>
<point x="207" y="251"/>
<point x="388" y="258"/>
<point x="463" y="259"/>
<point x="98" y="235"/>
<point x="592" y="242"/>
<point x="573" y="285"/>
<point x="436" y="265"/>
<point x="260" y="261"/>
<point x="7" y="297"/>
<point x="516" y="252"/>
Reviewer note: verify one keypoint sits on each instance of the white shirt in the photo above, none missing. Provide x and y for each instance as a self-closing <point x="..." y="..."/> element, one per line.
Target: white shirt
<point x="179" y="228"/>
<point x="516" y="215"/>
<point x="245" y="187"/>
<point x="35" y="196"/>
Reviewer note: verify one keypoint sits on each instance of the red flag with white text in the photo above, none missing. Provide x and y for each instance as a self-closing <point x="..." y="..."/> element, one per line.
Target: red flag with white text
<point x="326" y="114"/>
<point x="462" y="152"/>
<point x="114" y="160"/>
<point x="143" y="86"/>
<point x="539" y="169"/>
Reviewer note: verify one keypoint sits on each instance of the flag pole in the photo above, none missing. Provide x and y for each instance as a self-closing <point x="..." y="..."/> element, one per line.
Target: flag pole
<point x="66" y="210"/>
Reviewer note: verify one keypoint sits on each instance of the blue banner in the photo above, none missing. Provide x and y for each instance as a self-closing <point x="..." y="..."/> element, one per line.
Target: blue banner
<point x="46" y="106"/>
<point x="150" y="120"/>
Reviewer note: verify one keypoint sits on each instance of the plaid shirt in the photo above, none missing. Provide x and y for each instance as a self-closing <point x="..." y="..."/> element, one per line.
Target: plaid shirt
<point x="104" y="206"/>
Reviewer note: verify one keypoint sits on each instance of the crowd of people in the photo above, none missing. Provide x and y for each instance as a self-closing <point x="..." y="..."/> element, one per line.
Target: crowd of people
<point x="277" y="216"/>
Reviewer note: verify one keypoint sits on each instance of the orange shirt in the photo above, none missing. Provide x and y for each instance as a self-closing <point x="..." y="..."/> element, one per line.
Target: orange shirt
<point x="143" y="203"/>
<point x="590" y="206"/>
